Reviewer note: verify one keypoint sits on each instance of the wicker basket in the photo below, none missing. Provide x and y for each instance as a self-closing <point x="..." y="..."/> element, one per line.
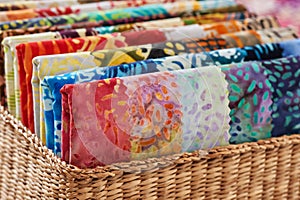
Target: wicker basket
<point x="264" y="170"/>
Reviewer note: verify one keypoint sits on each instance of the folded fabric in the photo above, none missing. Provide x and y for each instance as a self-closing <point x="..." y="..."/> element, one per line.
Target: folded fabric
<point x="257" y="52"/>
<point x="202" y="17"/>
<point x="10" y="64"/>
<point x="263" y="96"/>
<point x="39" y="114"/>
<point x="283" y="75"/>
<point x="51" y="85"/>
<point x="258" y="23"/>
<point x="143" y="116"/>
<point x="102" y="58"/>
<point x="170" y="34"/>
<point x="70" y="33"/>
<point x="11" y="42"/>
<point x="74" y="9"/>
<point x="217" y="17"/>
<point x="264" y="99"/>
<point x="27" y="51"/>
<point x="11" y="61"/>
<point x="250" y="96"/>
<point x="20" y="5"/>
<point x="111" y="17"/>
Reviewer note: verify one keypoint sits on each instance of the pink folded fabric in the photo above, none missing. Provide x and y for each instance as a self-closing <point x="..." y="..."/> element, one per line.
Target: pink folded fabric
<point x="142" y="116"/>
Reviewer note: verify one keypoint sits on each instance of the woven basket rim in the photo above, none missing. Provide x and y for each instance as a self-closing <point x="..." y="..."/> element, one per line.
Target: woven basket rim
<point x="137" y="166"/>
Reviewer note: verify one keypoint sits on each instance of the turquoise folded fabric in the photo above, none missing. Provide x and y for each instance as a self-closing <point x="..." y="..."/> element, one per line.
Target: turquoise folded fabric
<point x="264" y="99"/>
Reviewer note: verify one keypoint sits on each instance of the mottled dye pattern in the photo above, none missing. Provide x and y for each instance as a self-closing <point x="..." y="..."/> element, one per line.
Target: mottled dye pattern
<point x="87" y="60"/>
<point x="130" y="39"/>
<point x="284" y="76"/>
<point x="250" y="102"/>
<point x="143" y="116"/>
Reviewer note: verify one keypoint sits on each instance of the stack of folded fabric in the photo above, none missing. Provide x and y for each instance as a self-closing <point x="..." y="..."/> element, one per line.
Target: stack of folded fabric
<point x="115" y="81"/>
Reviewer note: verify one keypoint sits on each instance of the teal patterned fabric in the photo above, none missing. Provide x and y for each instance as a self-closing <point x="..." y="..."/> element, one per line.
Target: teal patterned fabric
<point x="250" y="99"/>
<point x="284" y="75"/>
<point x="264" y="99"/>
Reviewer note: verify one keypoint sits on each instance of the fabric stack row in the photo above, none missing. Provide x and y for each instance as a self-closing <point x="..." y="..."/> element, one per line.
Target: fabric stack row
<point x="108" y="82"/>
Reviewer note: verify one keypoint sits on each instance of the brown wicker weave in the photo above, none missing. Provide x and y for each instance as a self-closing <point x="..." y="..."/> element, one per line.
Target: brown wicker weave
<point x="264" y="170"/>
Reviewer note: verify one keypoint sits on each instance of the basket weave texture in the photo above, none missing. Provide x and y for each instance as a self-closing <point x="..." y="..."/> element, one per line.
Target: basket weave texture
<point x="267" y="169"/>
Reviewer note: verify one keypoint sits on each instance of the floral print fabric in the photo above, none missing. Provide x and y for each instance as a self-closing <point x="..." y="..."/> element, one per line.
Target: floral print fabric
<point x="159" y="108"/>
